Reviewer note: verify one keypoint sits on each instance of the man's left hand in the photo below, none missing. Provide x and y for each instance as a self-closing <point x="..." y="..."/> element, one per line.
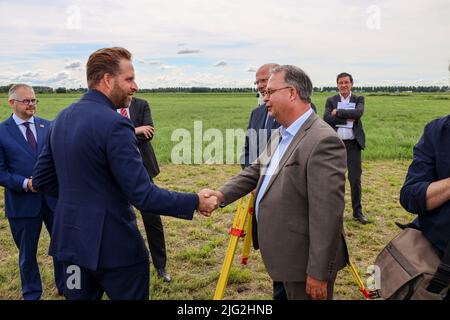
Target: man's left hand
<point x="147" y="131"/>
<point x="317" y="289"/>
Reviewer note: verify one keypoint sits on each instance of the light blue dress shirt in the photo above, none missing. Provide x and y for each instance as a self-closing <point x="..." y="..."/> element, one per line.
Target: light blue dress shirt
<point x="19" y="122"/>
<point x="287" y="134"/>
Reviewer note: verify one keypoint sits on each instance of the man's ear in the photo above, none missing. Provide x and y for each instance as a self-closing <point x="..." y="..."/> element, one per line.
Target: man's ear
<point x="11" y="103"/>
<point x="108" y="80"/>
<point x="293" y="94"/>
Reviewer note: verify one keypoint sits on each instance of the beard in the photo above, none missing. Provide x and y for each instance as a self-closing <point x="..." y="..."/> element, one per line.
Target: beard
<point x="119" y="97"/>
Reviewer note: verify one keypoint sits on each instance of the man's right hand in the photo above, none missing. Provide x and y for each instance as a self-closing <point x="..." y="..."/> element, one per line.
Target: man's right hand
<point x="147" y="131"/>
<point x="30" y="185"/>
<point x="207" y="203"/>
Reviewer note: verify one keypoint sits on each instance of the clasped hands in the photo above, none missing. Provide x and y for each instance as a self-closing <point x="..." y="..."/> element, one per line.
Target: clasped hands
<point x="147" y="131"/>
<point x="209" y="201"/>
<point x="30" y="185"/>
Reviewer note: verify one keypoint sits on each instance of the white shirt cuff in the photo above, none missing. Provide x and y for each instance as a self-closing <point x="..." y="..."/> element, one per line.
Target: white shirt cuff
<point x="25" y="184"/>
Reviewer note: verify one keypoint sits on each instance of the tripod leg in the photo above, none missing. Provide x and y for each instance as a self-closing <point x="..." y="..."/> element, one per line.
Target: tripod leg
<point x="236" y="233"/>
<point x="248" y="233"/>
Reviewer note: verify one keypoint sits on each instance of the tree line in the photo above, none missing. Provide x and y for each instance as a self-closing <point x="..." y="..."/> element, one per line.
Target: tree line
<point x="389" y="89"/>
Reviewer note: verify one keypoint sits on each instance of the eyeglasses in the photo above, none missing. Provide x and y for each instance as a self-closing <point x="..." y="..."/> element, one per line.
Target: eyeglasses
<point x="270" y="92"/>
<point x="28" y="101"/>
<point x="260" y="80"/>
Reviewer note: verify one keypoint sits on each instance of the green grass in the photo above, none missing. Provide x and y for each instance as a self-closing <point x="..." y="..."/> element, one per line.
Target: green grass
<point x="393" y="123"/>
<point x="196" y="249"/>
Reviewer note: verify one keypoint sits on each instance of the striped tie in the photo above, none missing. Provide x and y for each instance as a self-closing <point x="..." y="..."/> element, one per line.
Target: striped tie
<point x="124" y="112"/>
<point x="30" y="137"/>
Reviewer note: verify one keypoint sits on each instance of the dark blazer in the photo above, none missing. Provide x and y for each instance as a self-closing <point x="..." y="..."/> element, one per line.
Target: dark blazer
<point x="431" y="163"/>
<point x="300" y="219"/>
<point x="140" y="115"/>
<point x="16" y="164"/>
<point x="258" y="122"/>
<point x="343" y="115"/>
<point x="92" y="161"/>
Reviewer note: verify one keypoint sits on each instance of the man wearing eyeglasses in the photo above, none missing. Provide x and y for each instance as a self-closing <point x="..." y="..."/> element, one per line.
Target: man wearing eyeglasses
<point x="259" y="130"/>
<point x="261" y="124"/>
<point x="21" y="140"/>
<point x="299" y="180"/>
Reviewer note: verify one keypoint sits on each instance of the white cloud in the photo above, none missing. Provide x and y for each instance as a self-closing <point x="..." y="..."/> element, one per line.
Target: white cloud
<point x="188" y="51"/>
<point x="73" y="65"/>
<point x="313" y="35"/>
<point x="166" y="67"/>
<point x="221" y="63"/>
<point x="150" y="63"/>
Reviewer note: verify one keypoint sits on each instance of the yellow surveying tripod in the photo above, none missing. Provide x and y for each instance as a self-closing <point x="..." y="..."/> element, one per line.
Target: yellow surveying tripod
<point x="242" y="228"/>
<point x="244" y="214"/>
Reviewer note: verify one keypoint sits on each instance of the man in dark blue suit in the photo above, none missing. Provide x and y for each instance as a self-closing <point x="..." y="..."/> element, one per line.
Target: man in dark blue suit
<point x="426" y="192"/>
<point x="22" y="137"/>
<point x="91" y="160"/>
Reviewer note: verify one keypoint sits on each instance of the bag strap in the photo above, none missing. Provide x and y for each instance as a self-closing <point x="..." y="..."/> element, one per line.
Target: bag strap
<point x="441" y="278"/>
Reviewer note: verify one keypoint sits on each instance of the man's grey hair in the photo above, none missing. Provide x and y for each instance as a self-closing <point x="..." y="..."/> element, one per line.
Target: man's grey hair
<point x="296" y="77"/>
<point x="12" y="91"/>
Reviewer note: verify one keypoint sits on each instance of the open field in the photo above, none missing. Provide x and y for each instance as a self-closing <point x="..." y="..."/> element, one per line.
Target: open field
<point x="393" y="123"/>
<point x="196" y="248"/>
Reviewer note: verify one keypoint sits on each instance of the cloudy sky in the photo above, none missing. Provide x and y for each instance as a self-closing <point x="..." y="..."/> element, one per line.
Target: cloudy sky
<point x="220" y="43"/>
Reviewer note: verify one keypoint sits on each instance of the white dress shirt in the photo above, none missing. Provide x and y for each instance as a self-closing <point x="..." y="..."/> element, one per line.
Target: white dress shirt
<point x="346" y="133"/>
<point x="19" y="122"/>
<point x="287" y="134"/>
<point x="128" y="111"/>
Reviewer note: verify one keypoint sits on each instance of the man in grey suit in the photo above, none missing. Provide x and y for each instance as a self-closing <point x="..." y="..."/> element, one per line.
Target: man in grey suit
<point x="299" y="180"/>
<point x="348" y="125"/>
<point x="259" y="130"/>
<point x="138" y="111"/>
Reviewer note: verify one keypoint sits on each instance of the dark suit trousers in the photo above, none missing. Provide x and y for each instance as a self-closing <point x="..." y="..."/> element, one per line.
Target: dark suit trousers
<point x="354" y="173"/>
<point x="297" y="290"/>
<point x="124" y="283"/>
<point x="26" y="232"/>
<point x="278" y="291"/>
<point x="155" y="237"/>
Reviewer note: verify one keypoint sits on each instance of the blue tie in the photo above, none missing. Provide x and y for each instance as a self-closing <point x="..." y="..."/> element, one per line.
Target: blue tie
<point x="30" y="137"/>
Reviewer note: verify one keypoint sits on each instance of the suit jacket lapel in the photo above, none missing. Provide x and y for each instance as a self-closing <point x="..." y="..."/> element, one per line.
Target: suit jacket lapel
<point x="262" y="118"/>
<point x="133" y="112"/>
<point x="17" y="135"/>
<point x="40" y="132"/>
<point x="292" y="146"/>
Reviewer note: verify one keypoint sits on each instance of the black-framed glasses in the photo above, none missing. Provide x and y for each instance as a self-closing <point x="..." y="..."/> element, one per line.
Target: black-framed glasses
<point x="28" y="101"/>
<point x="270" y="92"/>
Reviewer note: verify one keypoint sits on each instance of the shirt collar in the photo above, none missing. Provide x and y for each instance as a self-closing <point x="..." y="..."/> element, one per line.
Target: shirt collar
<point x="348" y="98"/>
<point x="295" y="126"/>
<point x="19" y="121"/>
<point x="99" y="97"/>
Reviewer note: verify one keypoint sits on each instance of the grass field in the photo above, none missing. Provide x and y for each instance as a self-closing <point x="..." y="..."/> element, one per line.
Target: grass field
<point x="196" y="249"/>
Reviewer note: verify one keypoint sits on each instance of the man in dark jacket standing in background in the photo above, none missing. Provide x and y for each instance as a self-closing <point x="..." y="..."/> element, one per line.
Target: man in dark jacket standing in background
<point x="343" y="113"/>
<point x="138" y="111"/>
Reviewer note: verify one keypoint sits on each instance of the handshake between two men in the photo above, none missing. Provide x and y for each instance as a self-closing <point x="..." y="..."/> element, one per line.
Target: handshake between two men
<point x="209" y="201"/>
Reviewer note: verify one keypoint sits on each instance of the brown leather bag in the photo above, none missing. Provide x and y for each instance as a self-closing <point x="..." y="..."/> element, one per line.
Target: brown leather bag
<point x="407" y="265"/>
